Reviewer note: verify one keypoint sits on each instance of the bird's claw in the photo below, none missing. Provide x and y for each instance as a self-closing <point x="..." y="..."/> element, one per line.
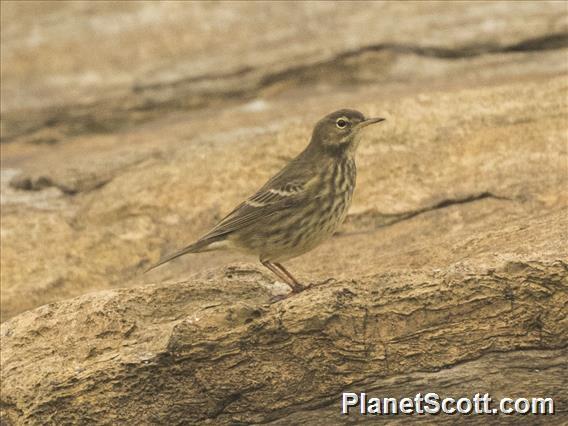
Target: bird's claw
<point x="277" y="298"/>
<point x="298" y="288"/>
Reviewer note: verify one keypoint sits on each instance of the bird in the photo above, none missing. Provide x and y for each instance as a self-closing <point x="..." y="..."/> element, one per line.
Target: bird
<point x="300" y="206"/>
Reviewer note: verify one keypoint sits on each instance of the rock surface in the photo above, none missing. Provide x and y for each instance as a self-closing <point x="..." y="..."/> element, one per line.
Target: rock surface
<point x="213" y="350"/>
<point x="449" y="274"/>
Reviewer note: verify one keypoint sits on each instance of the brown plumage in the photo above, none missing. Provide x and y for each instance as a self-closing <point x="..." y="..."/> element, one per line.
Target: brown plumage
<point x="300" y="206"/>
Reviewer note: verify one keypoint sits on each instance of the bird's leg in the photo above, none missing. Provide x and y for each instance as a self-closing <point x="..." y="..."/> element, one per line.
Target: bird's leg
<point x="278" y="272"/>
<point x="285" y="276"/>
<point x="296" y="286"/>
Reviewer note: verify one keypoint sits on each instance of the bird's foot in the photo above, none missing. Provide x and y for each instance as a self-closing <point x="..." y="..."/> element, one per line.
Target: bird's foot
<point x="320" y="283"/>
<point x="278" y="298"/>
<point x="297" y="287"/>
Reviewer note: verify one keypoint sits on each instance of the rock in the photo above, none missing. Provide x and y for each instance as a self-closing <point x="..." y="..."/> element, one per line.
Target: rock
<point x="212" y="349"/>
<point x="450" y="265"/>
<point x="447" y="169"/>
<point x="187" y="56"/>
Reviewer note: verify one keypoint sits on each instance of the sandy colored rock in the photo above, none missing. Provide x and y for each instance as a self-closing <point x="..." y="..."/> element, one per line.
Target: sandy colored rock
<point x="213" y="350"/>
<point x="449" y="273"/>
<point x="147" y="59"/>
<point x="466" y="162"/>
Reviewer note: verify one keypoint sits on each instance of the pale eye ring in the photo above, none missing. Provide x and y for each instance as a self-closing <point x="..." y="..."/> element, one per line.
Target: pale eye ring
<point x="341" y="123"/>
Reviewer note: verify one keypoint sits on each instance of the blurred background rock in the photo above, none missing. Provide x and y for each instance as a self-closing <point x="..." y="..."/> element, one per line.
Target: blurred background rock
<point x="128" y="128"/>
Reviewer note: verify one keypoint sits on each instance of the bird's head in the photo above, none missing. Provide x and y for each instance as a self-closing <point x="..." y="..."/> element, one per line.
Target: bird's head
<point x="339" y="131"/>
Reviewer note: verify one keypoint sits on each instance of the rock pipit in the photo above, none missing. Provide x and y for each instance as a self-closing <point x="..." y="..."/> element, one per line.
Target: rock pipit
<point x="300" y="206"/>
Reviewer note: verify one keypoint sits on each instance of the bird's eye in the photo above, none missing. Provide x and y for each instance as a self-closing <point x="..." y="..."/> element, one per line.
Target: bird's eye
<point x="341" y="123"/>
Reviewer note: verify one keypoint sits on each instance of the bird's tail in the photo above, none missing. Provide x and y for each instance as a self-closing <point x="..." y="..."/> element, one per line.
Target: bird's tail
<point x="198" y="246"/>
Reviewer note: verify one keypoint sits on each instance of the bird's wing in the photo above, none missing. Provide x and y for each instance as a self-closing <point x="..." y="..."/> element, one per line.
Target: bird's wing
<point x="281" y="192"/>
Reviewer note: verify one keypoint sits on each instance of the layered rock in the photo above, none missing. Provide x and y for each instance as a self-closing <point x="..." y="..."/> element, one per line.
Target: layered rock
<point x="449" y="273"/>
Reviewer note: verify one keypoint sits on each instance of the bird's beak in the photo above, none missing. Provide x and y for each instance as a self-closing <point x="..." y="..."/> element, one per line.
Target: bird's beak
<point x="370" y="121"/>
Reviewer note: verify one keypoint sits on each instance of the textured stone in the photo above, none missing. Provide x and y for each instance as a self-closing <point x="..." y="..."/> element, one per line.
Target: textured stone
<point x="451" y="264"/>
<point x="212" y="349"/>
<point x="444" y="171"/>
